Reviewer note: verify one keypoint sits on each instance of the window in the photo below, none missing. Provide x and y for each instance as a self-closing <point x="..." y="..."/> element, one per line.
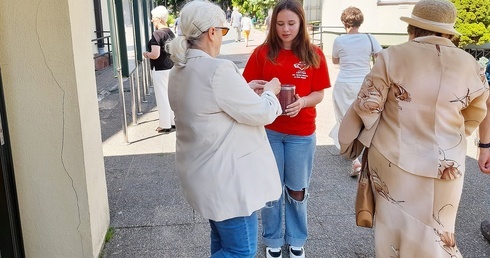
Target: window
<point x="396" y="2"/>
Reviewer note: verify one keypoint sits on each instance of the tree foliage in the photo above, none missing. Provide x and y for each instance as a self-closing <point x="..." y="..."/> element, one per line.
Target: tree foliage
<point x="255" y="7"/>
<point x="175" y="5"/>
<point x="473" y="21"/>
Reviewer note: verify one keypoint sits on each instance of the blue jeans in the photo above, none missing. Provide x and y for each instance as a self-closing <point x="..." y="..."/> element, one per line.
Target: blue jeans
<point x="294" y="157"/>
<point x="236" y="237"/>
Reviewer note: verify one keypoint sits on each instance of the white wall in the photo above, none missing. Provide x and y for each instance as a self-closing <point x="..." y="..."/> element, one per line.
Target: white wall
<point x="382" y="19"/>
<point x="313" y="10"/>
<point x="52" y="110"/>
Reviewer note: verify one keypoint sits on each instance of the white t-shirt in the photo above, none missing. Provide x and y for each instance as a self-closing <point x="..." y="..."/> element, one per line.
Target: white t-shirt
<point x="236" y="19"/>
<point x="246" y="23"/>
<point x="177" y="24"/>
<point x="354" y="51"/>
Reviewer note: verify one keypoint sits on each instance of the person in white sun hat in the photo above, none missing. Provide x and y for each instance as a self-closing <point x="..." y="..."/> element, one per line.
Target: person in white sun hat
<point x="426" y="96"/>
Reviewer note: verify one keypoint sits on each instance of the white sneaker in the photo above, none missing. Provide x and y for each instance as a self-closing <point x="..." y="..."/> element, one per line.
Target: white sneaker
<point x="273" y="252"/>
<point x="296" y="252"/>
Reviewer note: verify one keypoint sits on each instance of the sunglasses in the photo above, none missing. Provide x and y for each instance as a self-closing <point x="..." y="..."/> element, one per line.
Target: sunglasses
<point x="224" y="30"/>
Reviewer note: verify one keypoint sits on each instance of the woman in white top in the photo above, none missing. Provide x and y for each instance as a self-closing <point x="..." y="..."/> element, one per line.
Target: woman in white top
<point x="353" y="52"/>
<point x="247" y="26"/>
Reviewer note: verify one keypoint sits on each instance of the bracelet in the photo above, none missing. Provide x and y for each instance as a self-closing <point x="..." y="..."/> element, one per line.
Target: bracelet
<point x="304" y="100"/>
<point x="483" y="145"/>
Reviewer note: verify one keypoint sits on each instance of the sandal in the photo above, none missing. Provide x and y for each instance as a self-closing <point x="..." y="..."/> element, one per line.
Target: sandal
<point x="356" y="168"/>
<point x="485" y="229"/>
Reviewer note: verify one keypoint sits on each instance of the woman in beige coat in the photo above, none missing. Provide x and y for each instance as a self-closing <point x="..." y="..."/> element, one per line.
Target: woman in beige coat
<point x="427" y="96"/>
<point x="225" y="163"/>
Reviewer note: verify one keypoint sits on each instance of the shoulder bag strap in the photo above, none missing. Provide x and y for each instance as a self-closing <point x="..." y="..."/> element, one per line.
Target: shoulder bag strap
<point x="372" y="49"/>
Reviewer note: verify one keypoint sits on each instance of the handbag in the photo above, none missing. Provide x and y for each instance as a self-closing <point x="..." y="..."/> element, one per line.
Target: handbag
<point x="365" y="204"/>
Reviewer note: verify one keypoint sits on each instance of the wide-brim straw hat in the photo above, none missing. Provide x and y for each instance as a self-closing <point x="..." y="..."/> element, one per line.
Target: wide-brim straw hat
<point x="433" y="15"/>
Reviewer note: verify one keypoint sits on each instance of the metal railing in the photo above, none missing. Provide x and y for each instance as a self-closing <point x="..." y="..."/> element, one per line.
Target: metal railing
<point x="317" y="31"/>
<point x="106" y="42"/>
<point x="139" y="78"/>
<point x="478" y="53"/>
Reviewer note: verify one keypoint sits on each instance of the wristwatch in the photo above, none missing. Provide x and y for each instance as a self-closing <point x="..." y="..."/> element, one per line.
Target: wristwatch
<point x="483" y="145"/>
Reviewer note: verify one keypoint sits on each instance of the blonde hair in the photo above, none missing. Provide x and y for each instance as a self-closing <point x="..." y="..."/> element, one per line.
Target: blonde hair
<point x="195" y="18"/>
<point x="160" y="12"/>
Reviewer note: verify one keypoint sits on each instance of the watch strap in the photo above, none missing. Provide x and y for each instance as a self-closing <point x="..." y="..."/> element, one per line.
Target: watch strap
<point x="483" y="145"/>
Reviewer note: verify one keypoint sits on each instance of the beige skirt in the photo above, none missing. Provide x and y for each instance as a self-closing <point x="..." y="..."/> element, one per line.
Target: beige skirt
<point x="344" y="93"/>
<point x="415" y="216"/>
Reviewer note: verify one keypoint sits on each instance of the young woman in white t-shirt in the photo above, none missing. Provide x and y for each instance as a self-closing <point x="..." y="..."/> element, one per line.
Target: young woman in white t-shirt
<point x="247" y="26"/>
<point x="353" y="52"/>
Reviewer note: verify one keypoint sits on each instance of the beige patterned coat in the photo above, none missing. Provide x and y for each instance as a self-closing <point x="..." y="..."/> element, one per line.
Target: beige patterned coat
<point x="428" y="96"/>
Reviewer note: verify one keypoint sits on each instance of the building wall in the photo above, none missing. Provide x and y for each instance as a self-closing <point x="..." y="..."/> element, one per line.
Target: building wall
<point x="313" y="10"/>
<point x="381" y="20"/>
<point x="52" y="110"/>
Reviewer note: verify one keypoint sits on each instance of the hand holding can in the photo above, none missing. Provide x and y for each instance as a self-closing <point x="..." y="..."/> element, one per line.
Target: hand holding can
<point x="286" y="96"/>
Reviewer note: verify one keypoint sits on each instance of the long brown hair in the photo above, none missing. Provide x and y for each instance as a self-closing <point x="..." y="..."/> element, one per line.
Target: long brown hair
<point x="301" y="45"/>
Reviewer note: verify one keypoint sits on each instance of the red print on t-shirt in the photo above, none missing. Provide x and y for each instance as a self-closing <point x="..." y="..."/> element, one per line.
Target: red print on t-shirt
<point x="301" y="74"/>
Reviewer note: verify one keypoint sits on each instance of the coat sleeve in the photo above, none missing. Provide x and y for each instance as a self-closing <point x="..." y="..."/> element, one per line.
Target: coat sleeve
<point x="477" y="108"/>
<point x="235" y="97"/>
<point x="373" y="93"/>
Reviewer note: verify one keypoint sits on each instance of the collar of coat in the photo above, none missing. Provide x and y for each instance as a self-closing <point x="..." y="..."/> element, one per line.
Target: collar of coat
<point x="435" y="40"/>
<point x="194" y="52"/>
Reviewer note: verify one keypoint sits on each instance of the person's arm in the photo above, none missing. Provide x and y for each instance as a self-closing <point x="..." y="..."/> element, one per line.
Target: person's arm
<point x="155" y="52"/>
<point x="309" y="100"/>
<point x="373" y="94"/>
<point x="236" y="98"/>
<point x="484" y="132"/>
<point x="155" y="47"/>
<point x="335" y="51"/>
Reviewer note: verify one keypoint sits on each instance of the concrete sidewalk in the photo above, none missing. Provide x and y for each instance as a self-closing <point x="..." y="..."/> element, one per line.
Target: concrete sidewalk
<point x="152" y="219"/>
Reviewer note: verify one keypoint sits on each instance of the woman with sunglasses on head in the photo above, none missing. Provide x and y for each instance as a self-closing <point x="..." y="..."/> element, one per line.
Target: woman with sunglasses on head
<point x="288" y="55"/>
<point x="160" y="66"/>
<point x="225" y="163"/>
